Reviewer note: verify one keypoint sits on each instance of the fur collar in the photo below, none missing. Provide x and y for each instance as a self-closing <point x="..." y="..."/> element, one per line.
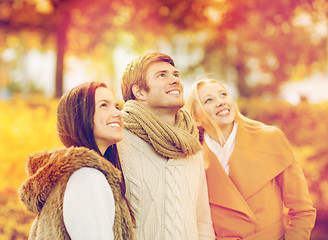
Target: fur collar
<point x="44" y="169"/>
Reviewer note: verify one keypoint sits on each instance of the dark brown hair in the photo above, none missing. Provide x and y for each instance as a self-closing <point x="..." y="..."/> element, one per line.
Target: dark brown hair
<point x="75" y="120"/>
<point x="75" y="115"/>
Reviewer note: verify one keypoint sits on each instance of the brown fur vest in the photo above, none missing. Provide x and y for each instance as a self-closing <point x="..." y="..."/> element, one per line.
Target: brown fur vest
<point x="42" y="193"/>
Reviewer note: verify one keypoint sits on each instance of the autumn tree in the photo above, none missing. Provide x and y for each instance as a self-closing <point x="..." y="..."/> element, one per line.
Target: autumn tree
<point x="90" y="28"/>
<point x="260" y="42"/>
<point x="255" y="41"/>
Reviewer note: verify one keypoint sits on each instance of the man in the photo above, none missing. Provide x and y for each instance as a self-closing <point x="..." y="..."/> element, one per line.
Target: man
<point x="160" y="154"/>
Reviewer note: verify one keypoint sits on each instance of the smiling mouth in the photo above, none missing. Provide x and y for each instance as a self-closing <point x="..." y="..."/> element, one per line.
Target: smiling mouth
<point x="173" y="92"/>
<point x="114" y="125"/>
<point x="223" y="112"/>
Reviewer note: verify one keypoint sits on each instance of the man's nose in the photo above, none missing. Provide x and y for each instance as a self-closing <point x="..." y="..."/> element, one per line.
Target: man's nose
<point x="174" y="80"/>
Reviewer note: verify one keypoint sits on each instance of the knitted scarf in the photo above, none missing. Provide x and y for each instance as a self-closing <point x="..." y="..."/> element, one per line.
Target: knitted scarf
<point x="167" y="140"/>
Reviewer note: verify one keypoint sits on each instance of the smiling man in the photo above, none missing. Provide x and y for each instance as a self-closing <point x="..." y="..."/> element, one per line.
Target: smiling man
<point x="160" y="154"/>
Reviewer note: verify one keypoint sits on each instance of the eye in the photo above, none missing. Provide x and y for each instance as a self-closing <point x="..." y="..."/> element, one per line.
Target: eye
<point x="223" y="94"/>
<point x="208" y="100"/>
<point x="161" y="75"/>
<point x="117" y="107"/>
<point x="176" y="75"/>
<point x="103" y="105"/>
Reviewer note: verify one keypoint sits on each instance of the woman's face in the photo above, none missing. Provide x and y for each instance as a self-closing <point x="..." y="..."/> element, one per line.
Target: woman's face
<point x="218" y="104"/>
<point x="108" y="123"/>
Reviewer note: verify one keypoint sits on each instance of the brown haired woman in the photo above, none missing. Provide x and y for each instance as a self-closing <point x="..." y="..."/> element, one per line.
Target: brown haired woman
<point x="251" y="171"/>
<point x="77" y="191"/>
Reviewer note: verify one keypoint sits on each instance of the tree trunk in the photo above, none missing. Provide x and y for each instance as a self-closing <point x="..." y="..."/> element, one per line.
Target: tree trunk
<point x="244" y="89"/>
<point x="61" y="49"/>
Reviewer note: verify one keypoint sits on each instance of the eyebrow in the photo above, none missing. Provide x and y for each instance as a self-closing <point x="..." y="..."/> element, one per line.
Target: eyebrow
<point x="166" y="71"/>
<point x="103" y="100"/>
<point x="210" y="95"/>
<point x="116" y="104"/>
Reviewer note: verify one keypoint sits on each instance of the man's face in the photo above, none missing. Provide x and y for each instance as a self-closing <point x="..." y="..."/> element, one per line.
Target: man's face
<point x="165" y="91"/>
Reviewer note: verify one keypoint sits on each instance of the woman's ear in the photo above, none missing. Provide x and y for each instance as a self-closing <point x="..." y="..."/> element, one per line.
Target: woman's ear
<point x="138" y="92"/>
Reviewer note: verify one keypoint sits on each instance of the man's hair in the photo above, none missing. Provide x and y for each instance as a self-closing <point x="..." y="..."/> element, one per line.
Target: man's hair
<point x="136" y="70"/>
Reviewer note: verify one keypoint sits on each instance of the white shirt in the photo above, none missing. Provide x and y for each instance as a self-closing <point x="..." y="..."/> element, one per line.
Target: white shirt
<point x="223" y="154"/>
<point x="88" y="206"/>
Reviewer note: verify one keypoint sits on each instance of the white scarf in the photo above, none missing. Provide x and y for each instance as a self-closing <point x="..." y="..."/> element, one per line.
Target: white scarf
<point x="223" y="154"/>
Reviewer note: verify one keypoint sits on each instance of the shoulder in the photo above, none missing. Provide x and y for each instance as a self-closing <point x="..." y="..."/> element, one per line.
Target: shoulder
<point x="87" y="185"/>
<point x="130" y="136"/>
<point x="87" y="177"/>
<point x="274" y="135"/>
<point x="133" y="145"/>
<point x="88" y="172"/>
<point x="263" y="132"/>
<point x="271" y="130"/>
<point x="269" y="139"/>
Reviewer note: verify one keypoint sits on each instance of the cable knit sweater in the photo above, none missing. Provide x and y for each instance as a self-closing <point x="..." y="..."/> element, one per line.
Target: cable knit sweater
<point x="169" y="197"/>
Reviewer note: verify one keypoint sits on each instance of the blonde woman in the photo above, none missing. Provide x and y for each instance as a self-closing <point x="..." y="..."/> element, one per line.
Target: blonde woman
<point x="251" y="171"/>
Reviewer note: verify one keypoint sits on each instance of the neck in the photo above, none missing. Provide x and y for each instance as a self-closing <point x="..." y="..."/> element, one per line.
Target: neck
<point x="226" y="131"/>
<point x="103" y="146"/>
<point x="168" y="117"/>
<point x="102" y="150"/>
<point x="166" y="114"/>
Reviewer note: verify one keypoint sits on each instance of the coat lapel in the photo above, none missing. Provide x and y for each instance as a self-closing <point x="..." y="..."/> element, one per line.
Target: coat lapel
<point x="221" y="189"/>
<point x="257" y="159"/>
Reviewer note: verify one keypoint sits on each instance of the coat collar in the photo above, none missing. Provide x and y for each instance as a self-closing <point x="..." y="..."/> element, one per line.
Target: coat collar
<point x="45" y="169"/>
<point x="258" y="157"/>
<point x="221" y="189"/>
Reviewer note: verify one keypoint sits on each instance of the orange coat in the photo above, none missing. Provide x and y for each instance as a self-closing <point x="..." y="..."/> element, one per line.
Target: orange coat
<point x="264" y="174"/>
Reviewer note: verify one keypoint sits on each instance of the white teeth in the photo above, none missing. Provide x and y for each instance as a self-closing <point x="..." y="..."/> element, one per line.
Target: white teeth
<point x="115" y="125"/>
<point x="223" y="112"/>
<point x="175" y="92"/>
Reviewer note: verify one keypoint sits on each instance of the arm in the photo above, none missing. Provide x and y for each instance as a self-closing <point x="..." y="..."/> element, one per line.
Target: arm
<point x="204" y="220"/>
<point x="297" y="199"/>
<point x="88" y="206"/>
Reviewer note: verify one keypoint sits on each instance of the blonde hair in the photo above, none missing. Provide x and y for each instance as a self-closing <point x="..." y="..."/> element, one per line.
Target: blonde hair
<point x="198" y="113"/>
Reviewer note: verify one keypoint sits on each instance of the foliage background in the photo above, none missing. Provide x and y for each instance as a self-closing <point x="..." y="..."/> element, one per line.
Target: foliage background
<point x="256" y="46"/>
<point x="28" y="125"/>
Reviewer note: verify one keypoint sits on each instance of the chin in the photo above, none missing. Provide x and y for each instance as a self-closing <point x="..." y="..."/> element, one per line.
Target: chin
<point x="119" y="139"/>
<point x="116" y="139"/>
<point x="176" y="107"/>
<point x="180" y="104"/>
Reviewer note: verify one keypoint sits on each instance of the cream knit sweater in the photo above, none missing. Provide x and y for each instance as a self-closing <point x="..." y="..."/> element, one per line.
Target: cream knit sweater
<point x="168" y="197"/>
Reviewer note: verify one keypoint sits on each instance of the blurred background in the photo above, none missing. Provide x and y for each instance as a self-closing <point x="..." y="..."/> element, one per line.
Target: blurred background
<point x="272" y="56"/>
